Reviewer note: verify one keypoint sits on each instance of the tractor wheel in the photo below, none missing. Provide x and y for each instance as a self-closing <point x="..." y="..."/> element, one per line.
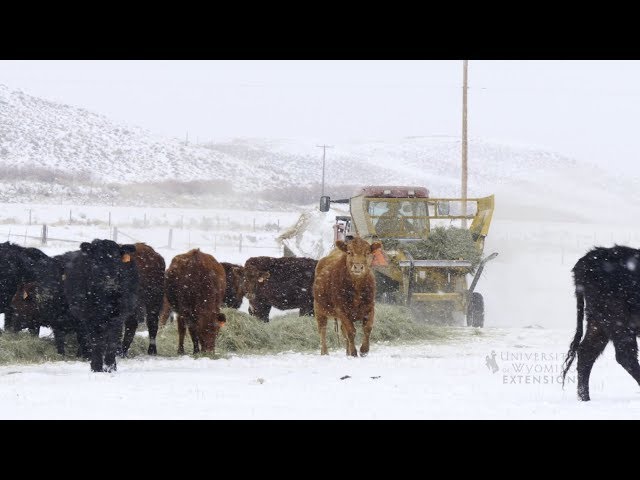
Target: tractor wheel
<point x="475" y="317"/>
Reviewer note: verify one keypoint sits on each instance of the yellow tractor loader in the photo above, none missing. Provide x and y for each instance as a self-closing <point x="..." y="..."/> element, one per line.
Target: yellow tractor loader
<point x="399" y="216"/>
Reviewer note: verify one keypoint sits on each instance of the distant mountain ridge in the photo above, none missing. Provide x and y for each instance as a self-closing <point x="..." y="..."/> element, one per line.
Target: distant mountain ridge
<point x="35" y="132"/>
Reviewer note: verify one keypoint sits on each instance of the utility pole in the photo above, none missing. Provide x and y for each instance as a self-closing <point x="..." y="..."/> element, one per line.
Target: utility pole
<point x="464" y="142"/>
<point x="324" y="152"/>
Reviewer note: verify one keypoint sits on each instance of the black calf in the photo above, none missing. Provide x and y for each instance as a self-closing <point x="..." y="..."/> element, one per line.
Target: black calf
<point x="607" y="287"/>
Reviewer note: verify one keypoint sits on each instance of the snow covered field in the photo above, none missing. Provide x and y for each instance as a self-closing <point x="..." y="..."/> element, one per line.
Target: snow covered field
<point x="394" y="382"/>
<point x="530" y="320"/>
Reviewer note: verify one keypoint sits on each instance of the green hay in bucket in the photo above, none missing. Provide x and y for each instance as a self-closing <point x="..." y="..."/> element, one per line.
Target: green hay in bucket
<point x="442" y="244"/>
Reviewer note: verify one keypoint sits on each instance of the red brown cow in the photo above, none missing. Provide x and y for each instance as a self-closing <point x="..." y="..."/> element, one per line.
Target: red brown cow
<point x="345" y="289"/>
<point x="234" y="294"/>
<point x="195" y="284"/>
<point x="150" y="265"/>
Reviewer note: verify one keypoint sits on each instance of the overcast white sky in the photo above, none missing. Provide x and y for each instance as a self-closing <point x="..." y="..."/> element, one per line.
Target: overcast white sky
<point x="585" y="109"/>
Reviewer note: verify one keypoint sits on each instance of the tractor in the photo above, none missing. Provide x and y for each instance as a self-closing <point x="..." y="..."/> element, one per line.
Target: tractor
<point x="436" y="289"/>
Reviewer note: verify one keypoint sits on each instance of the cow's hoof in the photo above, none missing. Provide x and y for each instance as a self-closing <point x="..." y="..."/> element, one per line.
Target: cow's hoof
<point x="363" y="354"/>
<point x="152" y="350"/>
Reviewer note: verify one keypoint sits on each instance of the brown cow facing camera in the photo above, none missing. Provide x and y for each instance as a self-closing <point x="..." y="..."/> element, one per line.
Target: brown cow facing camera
<point x="345" y="289"/>
<point x="195" y="284"/>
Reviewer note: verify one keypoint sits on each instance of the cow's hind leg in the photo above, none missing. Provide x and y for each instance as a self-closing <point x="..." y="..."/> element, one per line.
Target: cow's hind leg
<point x="182" y="330"/>
<point x="153" y="319"/>
<point x="130" y="327"/>
<point x="626" y="346"/>
<point x="592" y="345"/>
<point x="322" y="330"/>
<point x="193" y="333"/>
<point x="260" y="310"/>
<point x="10" y="323"/>
<point x="58" y="338"/>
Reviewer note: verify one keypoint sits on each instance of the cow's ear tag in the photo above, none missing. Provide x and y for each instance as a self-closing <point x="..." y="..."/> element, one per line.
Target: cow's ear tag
<point x="260" y="280"/>
<point x="126" y="258"/>
<point x="24" y="295"/>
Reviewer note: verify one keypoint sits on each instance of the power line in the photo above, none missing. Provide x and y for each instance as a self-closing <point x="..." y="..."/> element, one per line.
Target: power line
<point x="465" y="65"/>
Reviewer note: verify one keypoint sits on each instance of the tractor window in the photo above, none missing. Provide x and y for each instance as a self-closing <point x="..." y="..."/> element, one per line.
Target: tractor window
<point x="415" y="214"/>
<point x="399" y="218"/>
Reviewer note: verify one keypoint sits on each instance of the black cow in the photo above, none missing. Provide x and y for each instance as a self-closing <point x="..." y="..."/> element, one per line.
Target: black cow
<point x="42" y="303"/>
<point x="283" y="283"/>
<point x="101" y="286"/>
<point x="607" y="288"/>
<point x="16" y="268"/>
<point x="234" y="293"/>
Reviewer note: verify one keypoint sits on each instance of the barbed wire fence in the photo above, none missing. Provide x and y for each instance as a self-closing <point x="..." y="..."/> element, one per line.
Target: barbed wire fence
<point x="210" y="232"/>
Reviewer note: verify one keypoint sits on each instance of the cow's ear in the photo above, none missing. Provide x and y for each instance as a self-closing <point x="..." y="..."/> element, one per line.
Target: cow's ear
<point x="222" y="318"/>
<point x="85" y="247"/>
<point x="375" y="246"/>
<point x="341" y="244"/>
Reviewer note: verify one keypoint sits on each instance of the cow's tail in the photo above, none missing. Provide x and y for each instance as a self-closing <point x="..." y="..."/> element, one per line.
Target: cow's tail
<point x="573" y="348"/>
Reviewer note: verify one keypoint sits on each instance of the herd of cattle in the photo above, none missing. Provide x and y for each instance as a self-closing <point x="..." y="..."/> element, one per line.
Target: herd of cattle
<point x="103" y="291"/>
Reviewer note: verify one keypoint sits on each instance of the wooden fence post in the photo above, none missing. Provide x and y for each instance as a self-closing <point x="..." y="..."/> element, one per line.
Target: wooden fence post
<point x="43" y="240"/>
<point x="170" y="237"/>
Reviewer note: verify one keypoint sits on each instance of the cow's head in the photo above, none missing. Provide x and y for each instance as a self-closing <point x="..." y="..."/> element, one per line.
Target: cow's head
<point x="237" y="276"/>
<point x="359" y="255"/>
<point x="208" y="333"/>
<point x="253" y="281"/>
<point x="108" y="250"/>
<point x="109" y="261"/>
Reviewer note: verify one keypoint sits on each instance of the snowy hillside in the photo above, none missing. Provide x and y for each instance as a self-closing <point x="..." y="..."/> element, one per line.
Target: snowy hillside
<point x="94" y="159"/>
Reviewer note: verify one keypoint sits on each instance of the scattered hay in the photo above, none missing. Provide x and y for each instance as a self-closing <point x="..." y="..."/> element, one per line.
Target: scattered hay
<point x="242" y="334"/>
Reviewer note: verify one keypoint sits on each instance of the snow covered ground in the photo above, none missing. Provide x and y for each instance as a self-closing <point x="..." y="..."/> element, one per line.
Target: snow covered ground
<point x="422" y="381"/>
<point x="528" y="285"/>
